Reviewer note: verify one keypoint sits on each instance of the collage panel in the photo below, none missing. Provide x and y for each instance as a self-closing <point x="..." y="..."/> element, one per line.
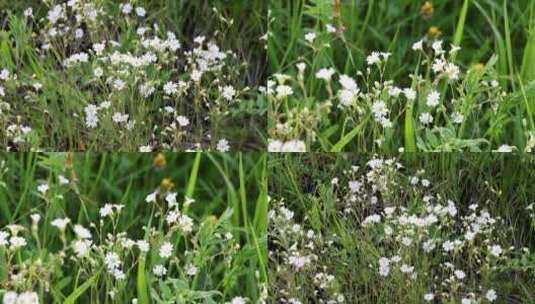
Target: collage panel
<point x="133" y="228"/>
<point x="133" y="75"/>
<point x="390" y="76"/>
<point x="414" y="228"/>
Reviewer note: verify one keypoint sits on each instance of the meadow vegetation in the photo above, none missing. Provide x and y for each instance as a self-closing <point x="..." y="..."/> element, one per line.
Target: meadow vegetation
<point x="133" y="228"/>
<point x="388" y="76"/>
<point x="132" y="75"/>
<point x="437" y="228"/>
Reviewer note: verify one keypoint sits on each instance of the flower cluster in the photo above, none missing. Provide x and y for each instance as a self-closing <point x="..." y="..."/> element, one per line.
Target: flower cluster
<point x="142" y="83"/>
<point x="176" y="248"/>
<point x="397" y="232"/>
<point x="433" y="107"/>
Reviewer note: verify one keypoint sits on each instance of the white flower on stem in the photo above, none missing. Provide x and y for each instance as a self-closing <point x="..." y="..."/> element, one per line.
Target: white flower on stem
<point x="10" y="297"/>
<point x="426" y="118"/>
<point x="61" y="223"/>
<point x="17" y="242"/>
<point x="43" y="188"/>
<point x="191" y="270"/>
<point x="82" y="232"/>
<point x="433" y="99"/>
<point x="310" y="37"/>
<point x="228" y="92"/>
<point x="170" y="198"/>
<point x="81" y="247"/>
<point x="418" y="46"/>
<point x="166" y="250"/>
<point x="223" y="145"/>
<point x="238" y="300"/>
<point x="141" y="12"/>
<point x="491" y="295"/>
<point x="159" y="270"/>
<point x="496" y="250"/>
<point x="325" y="74"/>
<point x="183" y="121"/>
<point x="151" y="198"/>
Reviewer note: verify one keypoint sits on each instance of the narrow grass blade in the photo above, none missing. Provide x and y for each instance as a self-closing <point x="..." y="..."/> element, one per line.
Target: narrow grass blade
<point x="193" y="175"/>
<point x="410" y="141"/>
<point x="459" y="30"/>
<point x="142" y="289"/>
<point x="71" y="299"/>
<point x="349" y="136"/>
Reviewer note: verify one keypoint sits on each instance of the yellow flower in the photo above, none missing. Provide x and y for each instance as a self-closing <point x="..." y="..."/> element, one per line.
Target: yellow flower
<point x="167" y="183"/>
<point x="434" y="32"/>
<point x="427" y="10"/>
<point x="159" y="160"/>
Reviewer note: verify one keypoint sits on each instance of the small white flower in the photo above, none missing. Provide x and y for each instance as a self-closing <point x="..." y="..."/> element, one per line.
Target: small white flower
<point x="457" y="118"/>
<point x="17" y="242"/>
<point x="4" y="238"/>
<point x="99" y="47"/>
<point x="166" y="250"/>
<point x="112" y="261"/>
<point x="410" y="94"/>
<point x="183" y="121"/>
<point x="159" y="270"/>
<point x="373" y="58"/>
<point x="35" y="218"/>
<point x="126" y="8"/>
<point x="106" y="210"/>
<point x="433" y="99"/>
<point x="223" y="145"/>
<point x="228" y="92"/>
<point x="426" y="118"/>
<point x="145" y="149"/>
<point x="505" y="149"/>
<point x="43" y="188"/>
<point x="28" y="12"/>
<point x="81" y="247"/>
<point x="79" y="33"/>
<point x="418" y="46"/>
<point x="10" y="297"/>
<point x="151" y="198"/>
<point x="82" y="232"/>
<point x="238" y="300"/>
<point x="63" y="180"/>
<point x="119" y="117"/>
<point x="283" y="91"/>
<point x="491" y="295"/>
<point x="61" y="224"/>
<point x="170" y="198"/>
<point x="496" y="250"/>
<point x="330" y="28"/>
<point x="170" y="88"/>
<point x="429" y="297"/>
<point x="191" y="270"/>
<point x="310" y="37"/>
<point x="28" y="297"/>
<point x="459" y="274"/>
<point x="325" y="74"/>
<point x="141" y="11"/>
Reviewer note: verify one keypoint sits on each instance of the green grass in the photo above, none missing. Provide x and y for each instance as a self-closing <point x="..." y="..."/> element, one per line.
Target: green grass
<point x="230" y="198"/>
<point x="347" y="251"/>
